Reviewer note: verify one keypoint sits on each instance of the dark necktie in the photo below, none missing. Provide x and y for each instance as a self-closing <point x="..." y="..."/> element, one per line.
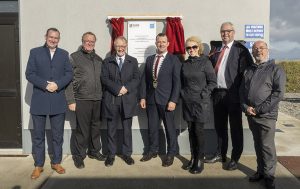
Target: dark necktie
<point x="156" y="66"/>
<point x="220" y="58"/>
<point x="120" y="63"/>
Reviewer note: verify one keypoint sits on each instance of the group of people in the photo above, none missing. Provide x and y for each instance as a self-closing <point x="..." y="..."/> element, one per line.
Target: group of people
<point x="113" y="87"/>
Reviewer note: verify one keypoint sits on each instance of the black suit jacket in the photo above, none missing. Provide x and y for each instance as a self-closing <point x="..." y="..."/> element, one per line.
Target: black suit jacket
<point x="112" y="80"/>
<point x="238" y="59"/>
<point x="168" y="88"/>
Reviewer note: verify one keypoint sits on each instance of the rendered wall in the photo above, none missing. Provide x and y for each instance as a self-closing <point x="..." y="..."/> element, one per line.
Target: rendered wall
<point x="73" y="18"/>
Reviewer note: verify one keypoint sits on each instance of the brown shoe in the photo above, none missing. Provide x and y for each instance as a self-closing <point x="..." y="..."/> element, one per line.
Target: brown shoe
<point x="58" y="168"/>
<point x="36" y="172"/>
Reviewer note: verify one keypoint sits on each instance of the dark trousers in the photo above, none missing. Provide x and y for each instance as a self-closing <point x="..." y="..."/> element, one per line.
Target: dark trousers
<point x="86" y="137"/>
<point x="263" y="131"/>
<point x="112" y="126"/>
<point x="56" y="138"/>
<point x="156" y="113"/>
<point x="196" y="137"/>
<point x="222" y="110"/>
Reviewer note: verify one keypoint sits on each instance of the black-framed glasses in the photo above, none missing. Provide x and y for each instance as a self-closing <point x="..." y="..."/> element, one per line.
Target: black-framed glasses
<point x="191" y="47"/>
<point x="259" y="48"/>
<point x="226" y="31"/>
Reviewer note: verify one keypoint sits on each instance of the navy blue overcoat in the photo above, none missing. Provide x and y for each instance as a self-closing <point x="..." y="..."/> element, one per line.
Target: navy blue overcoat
<point x="40" y="69"/>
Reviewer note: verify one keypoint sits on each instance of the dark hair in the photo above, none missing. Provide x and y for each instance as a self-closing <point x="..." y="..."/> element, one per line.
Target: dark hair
<point x="52" y="29"/>
<point x="88" y="33"/>
<point x="162" y="35"/>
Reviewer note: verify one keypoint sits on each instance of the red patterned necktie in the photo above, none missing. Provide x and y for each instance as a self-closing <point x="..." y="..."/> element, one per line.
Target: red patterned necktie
<point x="156" y="65"/>
<point x="220" y="59"/>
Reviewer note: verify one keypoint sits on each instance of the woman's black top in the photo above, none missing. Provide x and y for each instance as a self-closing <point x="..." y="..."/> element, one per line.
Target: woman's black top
<point x="198" y="81"/>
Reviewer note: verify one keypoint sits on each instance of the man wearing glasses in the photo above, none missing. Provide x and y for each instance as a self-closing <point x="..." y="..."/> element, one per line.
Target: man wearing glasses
<point x="84" y="98"/>
<point x="261" y="90"/>
<point x="229" y="63"/>
<point x="120" y="78"/>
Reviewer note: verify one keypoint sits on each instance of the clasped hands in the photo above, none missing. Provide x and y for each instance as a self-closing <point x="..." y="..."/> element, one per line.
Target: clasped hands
<point x="51" y="87"/>
<point x="123" y="91"/>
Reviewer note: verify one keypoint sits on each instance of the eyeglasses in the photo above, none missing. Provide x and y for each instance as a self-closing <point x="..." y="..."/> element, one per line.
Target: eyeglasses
<point x="120" y="46"/>
<point x="87" y="41"/>
<point x="226" y="31"/>
<point x="259" y="48"/>
<point x="192" y="47"/>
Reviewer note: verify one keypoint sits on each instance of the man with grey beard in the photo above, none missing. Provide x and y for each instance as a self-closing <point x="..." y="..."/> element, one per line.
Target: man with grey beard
<point x="261" y="90"/>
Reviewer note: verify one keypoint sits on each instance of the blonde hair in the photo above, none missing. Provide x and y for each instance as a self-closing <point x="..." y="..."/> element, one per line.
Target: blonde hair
<point x="198" y="41"/>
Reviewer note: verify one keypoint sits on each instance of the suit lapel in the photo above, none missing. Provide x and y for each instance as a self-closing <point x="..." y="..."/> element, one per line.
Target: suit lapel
<point x="151" y="60"/>
<point x="231" y="52"/>
<point x="47" y="51"/>
<point x="164" y="64"/>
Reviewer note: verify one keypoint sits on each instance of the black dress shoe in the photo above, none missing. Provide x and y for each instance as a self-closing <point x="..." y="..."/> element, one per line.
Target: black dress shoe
<point x="197" y="167"/>
<point x="78" y="162"/>
<point x="128" y="160"/>
<point x="269" y="182"/>
<point x="216" y="158"/>
<point x="97" y="156"/>
<point x="232" y="165"/>
<point x="168" y="161"/>
<point x="256" y="177"/>
<point x="109" y="161"/>
<point x="189" y="165"/>
<point x="148" y="156"/>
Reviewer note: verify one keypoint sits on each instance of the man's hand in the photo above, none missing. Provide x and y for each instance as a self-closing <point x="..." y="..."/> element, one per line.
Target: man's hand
<point x="171" y="106"/>
<point x="72" y="107"/>
<point x="251" y="111"/>
<point x="143" y="103"/>
<point x="52" y="86"/>
<point x="123" y="91"/>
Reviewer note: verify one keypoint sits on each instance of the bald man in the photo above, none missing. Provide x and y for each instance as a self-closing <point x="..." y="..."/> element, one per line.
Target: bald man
<point x="261" y="90"/>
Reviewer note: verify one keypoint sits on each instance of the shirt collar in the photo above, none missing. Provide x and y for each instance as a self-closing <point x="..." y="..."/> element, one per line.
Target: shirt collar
<point x="229" y="45"/>
<point x="118" y="57"/>
<point x="163" y="55"/>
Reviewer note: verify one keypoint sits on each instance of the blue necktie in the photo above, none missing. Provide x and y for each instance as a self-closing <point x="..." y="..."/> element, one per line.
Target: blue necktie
<point x="120" y="63"/>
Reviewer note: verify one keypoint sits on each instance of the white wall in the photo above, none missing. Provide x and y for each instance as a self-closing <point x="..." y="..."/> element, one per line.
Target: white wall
<point x="74" y="17"/>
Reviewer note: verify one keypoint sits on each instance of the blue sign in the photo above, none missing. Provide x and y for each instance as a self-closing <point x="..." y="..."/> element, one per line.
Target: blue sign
<point x="249" y="45"/>
<point x="254" y="31"/>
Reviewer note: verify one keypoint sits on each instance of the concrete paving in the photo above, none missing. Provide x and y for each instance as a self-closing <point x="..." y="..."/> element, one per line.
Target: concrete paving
<point x="15" y="171"/>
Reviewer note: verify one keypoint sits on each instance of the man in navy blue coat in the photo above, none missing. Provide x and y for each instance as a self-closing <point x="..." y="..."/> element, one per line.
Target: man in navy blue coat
<point x="159" y="95"/>
<point x="49" y="71"/>
<point x="120" y="78"/>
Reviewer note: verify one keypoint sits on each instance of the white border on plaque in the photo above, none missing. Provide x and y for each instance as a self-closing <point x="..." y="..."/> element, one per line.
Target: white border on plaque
<point x="141" y="39"/>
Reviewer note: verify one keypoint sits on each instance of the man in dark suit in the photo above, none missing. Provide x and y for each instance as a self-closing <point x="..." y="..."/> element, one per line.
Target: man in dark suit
<point x="229" y="63"/>
<point x="159" y="95"/>
<point x="49" y="71"/>
<point x="120" y="78"/>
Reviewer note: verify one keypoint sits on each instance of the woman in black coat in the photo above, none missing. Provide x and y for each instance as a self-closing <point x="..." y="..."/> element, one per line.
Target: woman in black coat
<point x="198" y="80"/>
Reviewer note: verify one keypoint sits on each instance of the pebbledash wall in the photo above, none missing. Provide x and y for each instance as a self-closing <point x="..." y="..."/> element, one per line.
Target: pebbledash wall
<point x="73" y="18"/>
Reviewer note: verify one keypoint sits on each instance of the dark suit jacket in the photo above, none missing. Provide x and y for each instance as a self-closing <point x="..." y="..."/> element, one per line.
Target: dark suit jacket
<point x="168" y="88"/>
<point x="238" y="59"/>
<point x="113" y="80"/>
<point x="40" y="69"/>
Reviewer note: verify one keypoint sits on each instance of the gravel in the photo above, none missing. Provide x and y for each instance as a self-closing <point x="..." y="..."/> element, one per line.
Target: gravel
<point x="291" y="105"/>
